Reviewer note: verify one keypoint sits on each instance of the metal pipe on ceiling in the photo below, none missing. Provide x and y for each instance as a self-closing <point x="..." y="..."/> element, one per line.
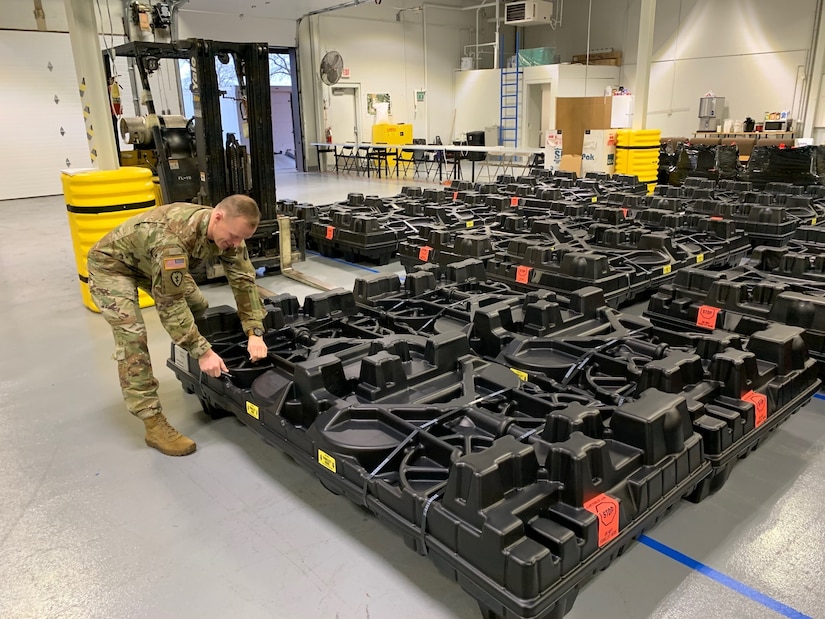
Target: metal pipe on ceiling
<point x="329" y="9"/>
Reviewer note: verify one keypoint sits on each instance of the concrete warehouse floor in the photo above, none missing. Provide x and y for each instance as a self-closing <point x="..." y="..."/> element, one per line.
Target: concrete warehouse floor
<point x="95" y="524"/>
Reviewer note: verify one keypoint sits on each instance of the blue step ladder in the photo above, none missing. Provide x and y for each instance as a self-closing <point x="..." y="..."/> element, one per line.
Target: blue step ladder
<point x="510" y="99"/>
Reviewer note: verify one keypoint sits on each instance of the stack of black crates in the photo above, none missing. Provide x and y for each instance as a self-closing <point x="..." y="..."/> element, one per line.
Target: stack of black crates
<point x="495" y="406"/>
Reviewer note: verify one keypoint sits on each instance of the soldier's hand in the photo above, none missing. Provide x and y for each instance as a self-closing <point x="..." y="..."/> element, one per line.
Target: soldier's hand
<point x="211" y="364"/>
<point x="256" y="348"/>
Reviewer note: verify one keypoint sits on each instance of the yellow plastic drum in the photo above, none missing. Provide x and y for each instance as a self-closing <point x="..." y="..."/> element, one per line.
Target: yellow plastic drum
<point x="637" y="153"/>
<point x="96" y="202"/>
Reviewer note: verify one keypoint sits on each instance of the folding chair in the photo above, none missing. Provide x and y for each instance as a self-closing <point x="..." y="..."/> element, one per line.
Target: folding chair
<point x="377" y="159"/>
<point x="362" y="159"/>
<point x="505" y="165"/>
<point x="439" y="155"/>
<point x="404" y="160"/>
<point x="414" y="158"/>
<point x="422" y="159"/>
<point x="347" y="158"/>
<point x="453" y="160"/>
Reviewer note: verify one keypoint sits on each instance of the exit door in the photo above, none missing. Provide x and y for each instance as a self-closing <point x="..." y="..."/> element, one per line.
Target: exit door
<point x="343" y="113"/>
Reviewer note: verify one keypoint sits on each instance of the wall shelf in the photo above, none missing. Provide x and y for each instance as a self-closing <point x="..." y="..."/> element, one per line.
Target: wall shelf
<point x="758" y="135"/>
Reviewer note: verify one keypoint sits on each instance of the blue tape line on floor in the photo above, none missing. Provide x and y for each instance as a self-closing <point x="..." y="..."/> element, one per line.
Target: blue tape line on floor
<point x="723" y="579"/>
<point x="819" y="396"/>
<point x="342" y="261"/>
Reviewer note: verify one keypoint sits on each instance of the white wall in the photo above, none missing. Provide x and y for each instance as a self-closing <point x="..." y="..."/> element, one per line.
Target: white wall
<point x="752" y="52"/>
<point x="236" y="27"/>
<point x="477" y="93"/>
<point x="577" y="80"/>
<point x="476" y="100"/>
<point x="386" y="55"/>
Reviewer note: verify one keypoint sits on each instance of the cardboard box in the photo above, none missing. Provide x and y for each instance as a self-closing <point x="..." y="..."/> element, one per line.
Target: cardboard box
<point x="613" y="59"/>
<point x="571" y="163"/>
<point x="552" y="149"/>
<point x="599" y="151"/>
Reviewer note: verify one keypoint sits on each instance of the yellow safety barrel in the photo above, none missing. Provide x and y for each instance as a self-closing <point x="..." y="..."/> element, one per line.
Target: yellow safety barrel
<point x="637" y="153"/>
<point x="96" y="202"/>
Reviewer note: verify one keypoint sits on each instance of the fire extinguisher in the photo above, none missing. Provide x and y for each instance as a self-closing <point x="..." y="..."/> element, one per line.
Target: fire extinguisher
<point x="114" y="96"/>
<point x="329" y="135"/>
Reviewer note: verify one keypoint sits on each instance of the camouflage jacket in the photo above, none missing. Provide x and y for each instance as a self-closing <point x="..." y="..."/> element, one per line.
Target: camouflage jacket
<point x="157" y="248"/>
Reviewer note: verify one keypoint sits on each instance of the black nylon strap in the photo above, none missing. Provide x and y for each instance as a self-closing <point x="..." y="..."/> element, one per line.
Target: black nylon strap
<point x="114" y="208"/>
<point x="656" y="148"/>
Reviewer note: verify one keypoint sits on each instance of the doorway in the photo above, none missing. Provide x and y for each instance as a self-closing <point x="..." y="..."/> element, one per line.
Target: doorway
<point x="342" y="118"/>
<point x="537" y="117"/>
<point x="283" y="99"/>
<point x="283" y="138"/>
<point x="343" y="113"/>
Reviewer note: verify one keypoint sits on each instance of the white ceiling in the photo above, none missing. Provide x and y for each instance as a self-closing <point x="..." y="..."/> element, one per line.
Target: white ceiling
<point x="294" y="9"/>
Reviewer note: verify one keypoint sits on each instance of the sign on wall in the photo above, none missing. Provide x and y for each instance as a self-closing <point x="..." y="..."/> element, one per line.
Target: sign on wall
<point x="373" y="98"/>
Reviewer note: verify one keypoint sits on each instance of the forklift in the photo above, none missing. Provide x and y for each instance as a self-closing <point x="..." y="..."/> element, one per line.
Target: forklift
<point x="189" y="158"/>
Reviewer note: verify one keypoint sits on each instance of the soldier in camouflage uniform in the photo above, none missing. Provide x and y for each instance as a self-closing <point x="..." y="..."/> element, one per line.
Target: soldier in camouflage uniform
<point x="154" y="251"/>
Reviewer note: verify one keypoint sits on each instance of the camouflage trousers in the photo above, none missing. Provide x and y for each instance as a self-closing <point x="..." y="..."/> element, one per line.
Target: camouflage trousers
<point x="117" y="297"/>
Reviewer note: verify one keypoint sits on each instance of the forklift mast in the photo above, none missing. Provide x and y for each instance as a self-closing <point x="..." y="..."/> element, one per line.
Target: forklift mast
<point x="219" y="175"/>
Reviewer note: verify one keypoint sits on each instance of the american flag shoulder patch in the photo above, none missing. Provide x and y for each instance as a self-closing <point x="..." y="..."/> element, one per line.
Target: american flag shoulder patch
<point x="174" y="263"/>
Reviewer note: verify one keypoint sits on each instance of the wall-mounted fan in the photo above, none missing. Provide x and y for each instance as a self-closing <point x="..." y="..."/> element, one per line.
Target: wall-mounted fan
<point x="332" y="66"/>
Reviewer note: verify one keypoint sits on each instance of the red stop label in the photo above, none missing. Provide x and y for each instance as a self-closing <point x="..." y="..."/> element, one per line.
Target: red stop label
<point x="523" y="274"/>
<point x="424" y="253"/>
<point x="760" y="405"/>
<point x="330" y="231"/>
<point x="606" y="509"/>
<point x="706" y="316"/>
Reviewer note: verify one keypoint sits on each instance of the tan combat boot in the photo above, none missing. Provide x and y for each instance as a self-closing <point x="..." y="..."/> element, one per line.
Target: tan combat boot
<point x="164" y="438"/>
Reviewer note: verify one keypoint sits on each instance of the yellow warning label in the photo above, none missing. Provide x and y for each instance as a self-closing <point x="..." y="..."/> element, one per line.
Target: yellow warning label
<point x="252" y="410"/>
<point x="326" y="460"/>
<point x="471" y="223"/>
<point x="813" y="221"/>
<point x="700" y="258"/>
<point x="667" y="269"/>
<point x="519" y="373"/>
<point x="594" y="199"/>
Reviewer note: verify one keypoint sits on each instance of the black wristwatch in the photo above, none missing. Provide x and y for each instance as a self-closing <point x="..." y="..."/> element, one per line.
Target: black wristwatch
<point x="256" y="331"/>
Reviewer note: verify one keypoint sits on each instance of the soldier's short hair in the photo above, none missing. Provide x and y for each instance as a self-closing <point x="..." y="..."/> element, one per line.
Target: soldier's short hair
<point x="239" y="205"/>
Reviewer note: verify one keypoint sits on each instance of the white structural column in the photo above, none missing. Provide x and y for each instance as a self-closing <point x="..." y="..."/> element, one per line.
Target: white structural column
<point x="644" y="52"/>
<point x="91" y="79"/>
<point x="813" y="89"/>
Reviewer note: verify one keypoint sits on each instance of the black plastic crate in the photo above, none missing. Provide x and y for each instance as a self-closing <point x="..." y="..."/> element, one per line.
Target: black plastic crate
<point x="737" y="388"/>
<point x="624" y="260"/>
<point x="788" y="289"/>
<point x="354" y="236"/>
<point x="764" y="224"/>
<point x="520" y="494"/>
